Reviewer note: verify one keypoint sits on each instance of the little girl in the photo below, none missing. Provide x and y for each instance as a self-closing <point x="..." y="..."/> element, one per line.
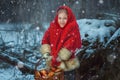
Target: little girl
<point x="62" y="39"/>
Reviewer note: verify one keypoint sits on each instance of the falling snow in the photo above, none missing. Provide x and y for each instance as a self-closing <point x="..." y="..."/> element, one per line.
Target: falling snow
<point x="51" y="45"/>
<point x="15" y="16"/>
<point x="101" y="1"/>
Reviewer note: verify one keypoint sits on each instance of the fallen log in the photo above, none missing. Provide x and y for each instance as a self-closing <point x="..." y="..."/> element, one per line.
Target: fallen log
<point x="24" y="68"/>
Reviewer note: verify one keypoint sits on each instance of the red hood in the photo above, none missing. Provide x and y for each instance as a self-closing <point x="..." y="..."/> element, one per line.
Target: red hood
<point x="71" y="17"/>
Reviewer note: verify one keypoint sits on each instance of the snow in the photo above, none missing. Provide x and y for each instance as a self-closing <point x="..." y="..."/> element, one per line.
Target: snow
<point x="51" y="45"/>
<point x="77" y="2"/>
<point x="12" y="27"/>
<point x="20" y="64"/>
<point x="95" y="29"/>
<point x="101" y="1"/>
<point x="24" y="35"/>
<point x="117" y="33"/>
<point x="13" y="73"/>
<point x="56" y="33"/>
<point x="90" y="29"/>
<point x="111" y="58"/>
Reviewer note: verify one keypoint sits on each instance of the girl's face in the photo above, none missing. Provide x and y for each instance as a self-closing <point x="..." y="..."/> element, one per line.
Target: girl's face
<point x="62" y="19"/>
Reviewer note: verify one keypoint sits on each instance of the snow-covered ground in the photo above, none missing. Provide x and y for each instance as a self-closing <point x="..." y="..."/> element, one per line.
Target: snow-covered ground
<point x="90" y="29"/>
<point x="12" y="73"/>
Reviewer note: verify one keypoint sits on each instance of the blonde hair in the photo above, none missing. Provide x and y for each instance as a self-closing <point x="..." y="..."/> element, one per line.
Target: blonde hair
<point x="62" y="10"/>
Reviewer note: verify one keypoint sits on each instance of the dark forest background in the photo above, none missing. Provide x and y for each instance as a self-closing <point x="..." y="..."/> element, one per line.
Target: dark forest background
<point x="35" y="11"/>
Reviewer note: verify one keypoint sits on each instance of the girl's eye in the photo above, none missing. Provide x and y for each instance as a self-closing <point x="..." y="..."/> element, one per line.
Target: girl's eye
<point x="59" y="17"/>
<point x="65" y="18"/>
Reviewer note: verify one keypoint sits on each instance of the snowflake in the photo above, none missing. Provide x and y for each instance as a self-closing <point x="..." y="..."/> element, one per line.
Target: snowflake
<point x="61" y="41"/>
<point x="111" y="58"/>
<point x="37" y="28"/>
<point x="2" y="12"/>
<point x="20" y="64"/>
<point x="101" y="1"/>
<point x="64" y="4"/>
<point x="21" y="37"/>
<point x="73" y="34"/>
<point x="77" y="2"/>
<point x="27" y="40"/>
<point x="56" y="33"/>
<point x="12" y="2"/>
<point x="72" y="51"/>
<point x="56" y="77"/>
<point x="68" y="34"/>
<point x="57" y="29"/>
<point x="83" y="11"/>
<point x="53" y="11"/>
<point x="8" y="21"/>
<point x="34" y="3"/>
<point x="51" y="44"/>
<point x="28" y="10"/>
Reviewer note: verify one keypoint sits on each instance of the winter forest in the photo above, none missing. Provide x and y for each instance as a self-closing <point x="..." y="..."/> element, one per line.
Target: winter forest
<point x="23" y="23"/>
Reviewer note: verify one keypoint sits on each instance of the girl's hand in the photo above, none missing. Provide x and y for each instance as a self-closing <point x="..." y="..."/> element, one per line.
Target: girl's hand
<point x="45" y="55"/>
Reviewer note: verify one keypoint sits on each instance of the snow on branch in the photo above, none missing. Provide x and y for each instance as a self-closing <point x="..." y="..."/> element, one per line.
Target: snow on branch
<point x="24" y="68"/>
<point x="114" y="36"/>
